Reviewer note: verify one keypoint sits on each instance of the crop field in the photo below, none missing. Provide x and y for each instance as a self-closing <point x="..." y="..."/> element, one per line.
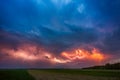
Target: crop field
<point x="59" y="74"/>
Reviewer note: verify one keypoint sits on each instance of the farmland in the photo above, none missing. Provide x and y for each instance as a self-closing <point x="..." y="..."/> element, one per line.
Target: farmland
<point x="15" y="75"/>
<point x="59" y="74"/>
<point x="75" y="74"/>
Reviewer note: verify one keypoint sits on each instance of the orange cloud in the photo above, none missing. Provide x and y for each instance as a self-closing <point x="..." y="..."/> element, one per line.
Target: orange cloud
<point x="80" y="54"/>
<point x="32" y="53"/>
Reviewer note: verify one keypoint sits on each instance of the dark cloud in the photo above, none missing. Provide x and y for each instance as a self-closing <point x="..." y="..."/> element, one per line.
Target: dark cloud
<point x="112" y="43"/>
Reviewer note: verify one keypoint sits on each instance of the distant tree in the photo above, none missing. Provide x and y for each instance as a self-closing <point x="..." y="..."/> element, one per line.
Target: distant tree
<point x="107" y="66"/>
<point x="115" y="66"/>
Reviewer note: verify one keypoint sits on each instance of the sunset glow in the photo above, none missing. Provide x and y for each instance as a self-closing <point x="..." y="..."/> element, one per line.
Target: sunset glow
<point x="23" y="55"/>
<point x="97" y="56"/>
<point x="65" y="57"/>
<point x="79" y="54"/>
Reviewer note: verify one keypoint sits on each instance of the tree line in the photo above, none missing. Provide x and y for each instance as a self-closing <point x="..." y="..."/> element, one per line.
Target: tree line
<point x="114" y="66"/>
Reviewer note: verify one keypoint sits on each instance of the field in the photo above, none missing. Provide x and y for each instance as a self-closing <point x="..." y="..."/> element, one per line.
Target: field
<point x="15" y="75"/>
<point x="59" y="74"/>
<point x="75" y="74"/>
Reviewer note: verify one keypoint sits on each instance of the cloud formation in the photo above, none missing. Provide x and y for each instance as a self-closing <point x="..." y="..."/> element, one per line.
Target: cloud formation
<point x="57" y="26"/>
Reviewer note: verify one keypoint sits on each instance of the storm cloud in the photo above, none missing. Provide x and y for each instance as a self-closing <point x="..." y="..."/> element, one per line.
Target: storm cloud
<point x="60" y="25"/>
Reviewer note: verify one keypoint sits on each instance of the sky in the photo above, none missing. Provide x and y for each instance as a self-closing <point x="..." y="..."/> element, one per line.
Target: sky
<point x="59" y="33"/>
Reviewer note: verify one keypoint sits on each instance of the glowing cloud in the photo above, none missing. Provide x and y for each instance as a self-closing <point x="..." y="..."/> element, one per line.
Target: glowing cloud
<point x="81" y="54"/>
<point x="34" y="53"/>
<point x="24" y="55"/>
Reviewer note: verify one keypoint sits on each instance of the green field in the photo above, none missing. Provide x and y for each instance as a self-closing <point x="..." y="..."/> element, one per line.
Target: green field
<point x="15" y="75"/>
<point x="106" y="73"/>
<point x="75" y="74"/>
<point x="59" y="74"/>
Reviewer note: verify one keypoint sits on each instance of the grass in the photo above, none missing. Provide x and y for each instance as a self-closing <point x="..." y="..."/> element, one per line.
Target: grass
<point x="75" y="74"/>
<point x="15" y="75"/>
<point x="59" y="74"/>
<point x="103" y="73"/>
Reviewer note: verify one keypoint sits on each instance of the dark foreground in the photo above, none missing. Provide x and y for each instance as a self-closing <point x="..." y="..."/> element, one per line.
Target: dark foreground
<point x="15" y="75"/>
<point x="60" y="74"/>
